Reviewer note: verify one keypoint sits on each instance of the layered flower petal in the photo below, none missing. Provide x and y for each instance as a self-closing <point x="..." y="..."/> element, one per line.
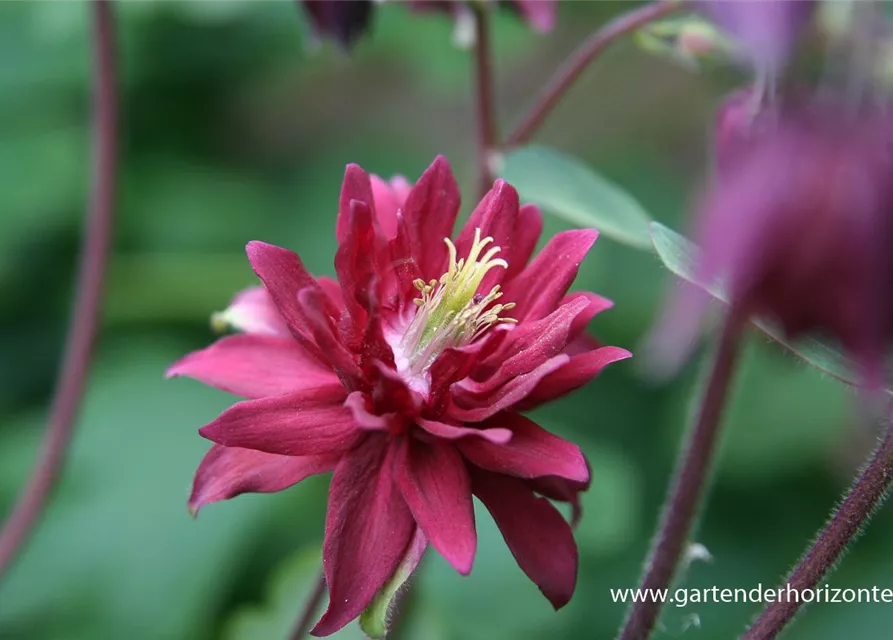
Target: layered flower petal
<point x="495" y="435"/>
<point x="532" y="452"/>
<point x="429" y="214"/>
<point x="283" y="275"/>
<point x="226" y="472"/>
<point x="254" y="366"/>
<point x="368" y="530"/>
<point x="527" y="234"/>
<point x="535" y="532"/>
<point x="435" y="484"/>
<point x="497" y="217"/>
<point x="389" y="198"/>
<point x="478" y="407"/>
<point x="579" y="370"/>
<point x="538" y="288"/>
<point x="308" y="422"/>
<point x="529" y="345"/>
<point x="356" y="186"/>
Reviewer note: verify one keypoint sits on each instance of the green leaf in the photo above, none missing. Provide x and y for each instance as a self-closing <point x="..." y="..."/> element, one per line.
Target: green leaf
<point x="565" y="187"/>
<point x="681" y="257"/>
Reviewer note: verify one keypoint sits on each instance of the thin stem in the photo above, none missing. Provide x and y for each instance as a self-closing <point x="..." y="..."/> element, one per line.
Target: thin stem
<point x="689" y="486"/>
<point x="311" y="605"/>
<point x="484" y="103"/>
<point x="85" y="316"/>
<point x="865" y="496"/>
<point x="573" y="67"/>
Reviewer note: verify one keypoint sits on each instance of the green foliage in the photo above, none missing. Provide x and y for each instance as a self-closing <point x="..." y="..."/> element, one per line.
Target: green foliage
<point x="568" y="188"/>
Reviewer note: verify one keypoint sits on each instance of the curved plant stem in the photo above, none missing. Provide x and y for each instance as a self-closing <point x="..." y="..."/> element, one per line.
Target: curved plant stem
<point x="85" y="316"/>
<point x="573" y="67"/>
<point x="311" y="605"/>
<point x="865" y="496"/>
<point x="689" y="485"/>
<point x="484" y="104"/>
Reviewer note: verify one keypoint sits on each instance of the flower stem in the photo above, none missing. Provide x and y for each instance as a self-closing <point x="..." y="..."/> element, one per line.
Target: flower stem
<point x="484" y="103"/>
<point x="689" y="485"/>
<point x="573" y="67"/>
<point x="865" y="496"/>
<point x="85" y="316"/>
<point x="311" y="605"/>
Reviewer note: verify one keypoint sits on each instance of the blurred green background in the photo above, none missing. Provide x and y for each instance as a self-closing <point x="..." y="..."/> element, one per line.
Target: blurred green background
<point x="233" y="130"/>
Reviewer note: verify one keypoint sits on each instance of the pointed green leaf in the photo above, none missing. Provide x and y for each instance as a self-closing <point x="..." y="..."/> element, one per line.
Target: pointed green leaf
<point x="567" y="188"/>
<point x="681" y="257"/>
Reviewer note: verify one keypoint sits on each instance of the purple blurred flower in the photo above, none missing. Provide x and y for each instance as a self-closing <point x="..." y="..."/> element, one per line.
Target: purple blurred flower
<point x="766" y="28"/>
<point x="798" y="223"/>
<point x="343" y="20"/>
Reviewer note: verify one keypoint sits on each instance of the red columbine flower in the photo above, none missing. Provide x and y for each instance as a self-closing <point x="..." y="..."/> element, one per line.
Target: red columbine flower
<point x="408" y="377"/>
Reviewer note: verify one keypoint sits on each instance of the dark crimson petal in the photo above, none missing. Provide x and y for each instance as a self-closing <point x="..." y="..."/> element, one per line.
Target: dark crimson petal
<point x="284" y="275"/>
<point x="526" y="347"/>
<point x="537" y="290"/>
<point x="387" y="201"/>
<point x="306" y="423"/>
<point x="358" y="262"/>
<point x="451" y="365"/>
<point x="359" y="405"/>
<point x="324" y="334"/>
<point x="429" y="213"/>
<point x="368" y="530"/>
<point x="578" y="371"/>
<point x="527" y="234"/>
<point x="355" y="186"/>
<point x="535" y="532"/>
<point x="556" y="488"/>
<point x="532" y="451"/>
<point x="226" y="472"/>
<point x="453" y="432"/>
<point x="471" y="407"/>
<point x="390" y="393"/>
<point x="435" y="485"/>
<point x="596" y="305"/>
<point x="254" y="366"/>
<point x="497" y="217"/>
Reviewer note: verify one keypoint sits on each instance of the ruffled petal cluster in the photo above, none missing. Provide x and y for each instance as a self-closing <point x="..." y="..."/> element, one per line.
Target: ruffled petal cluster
<point x="408" y="377"/>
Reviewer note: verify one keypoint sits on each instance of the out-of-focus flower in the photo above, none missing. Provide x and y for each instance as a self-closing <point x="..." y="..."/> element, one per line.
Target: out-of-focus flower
<point x="798" y="223"/>
<point x="767" y="29"/>
<point x="541" y="15"/>
<point x="343" y="20"/>
<point x="408" y="376"/>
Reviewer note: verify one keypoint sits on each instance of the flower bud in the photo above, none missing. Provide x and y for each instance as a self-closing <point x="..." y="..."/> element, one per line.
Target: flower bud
<point x="343" y="20"/>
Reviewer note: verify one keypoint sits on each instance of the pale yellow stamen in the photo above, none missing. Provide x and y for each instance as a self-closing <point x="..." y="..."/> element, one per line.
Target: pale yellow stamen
<point x="451" y="311"/>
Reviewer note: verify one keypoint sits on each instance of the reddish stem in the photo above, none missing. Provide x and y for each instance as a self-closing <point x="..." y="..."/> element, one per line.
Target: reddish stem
<point x="85" y="316"/>
<point x="689" y="485"/>
<point x="865" y="496"/>
<point x="311" y="606"/>
<point x="573" y="67"/>
<point x="486" y="117"/>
